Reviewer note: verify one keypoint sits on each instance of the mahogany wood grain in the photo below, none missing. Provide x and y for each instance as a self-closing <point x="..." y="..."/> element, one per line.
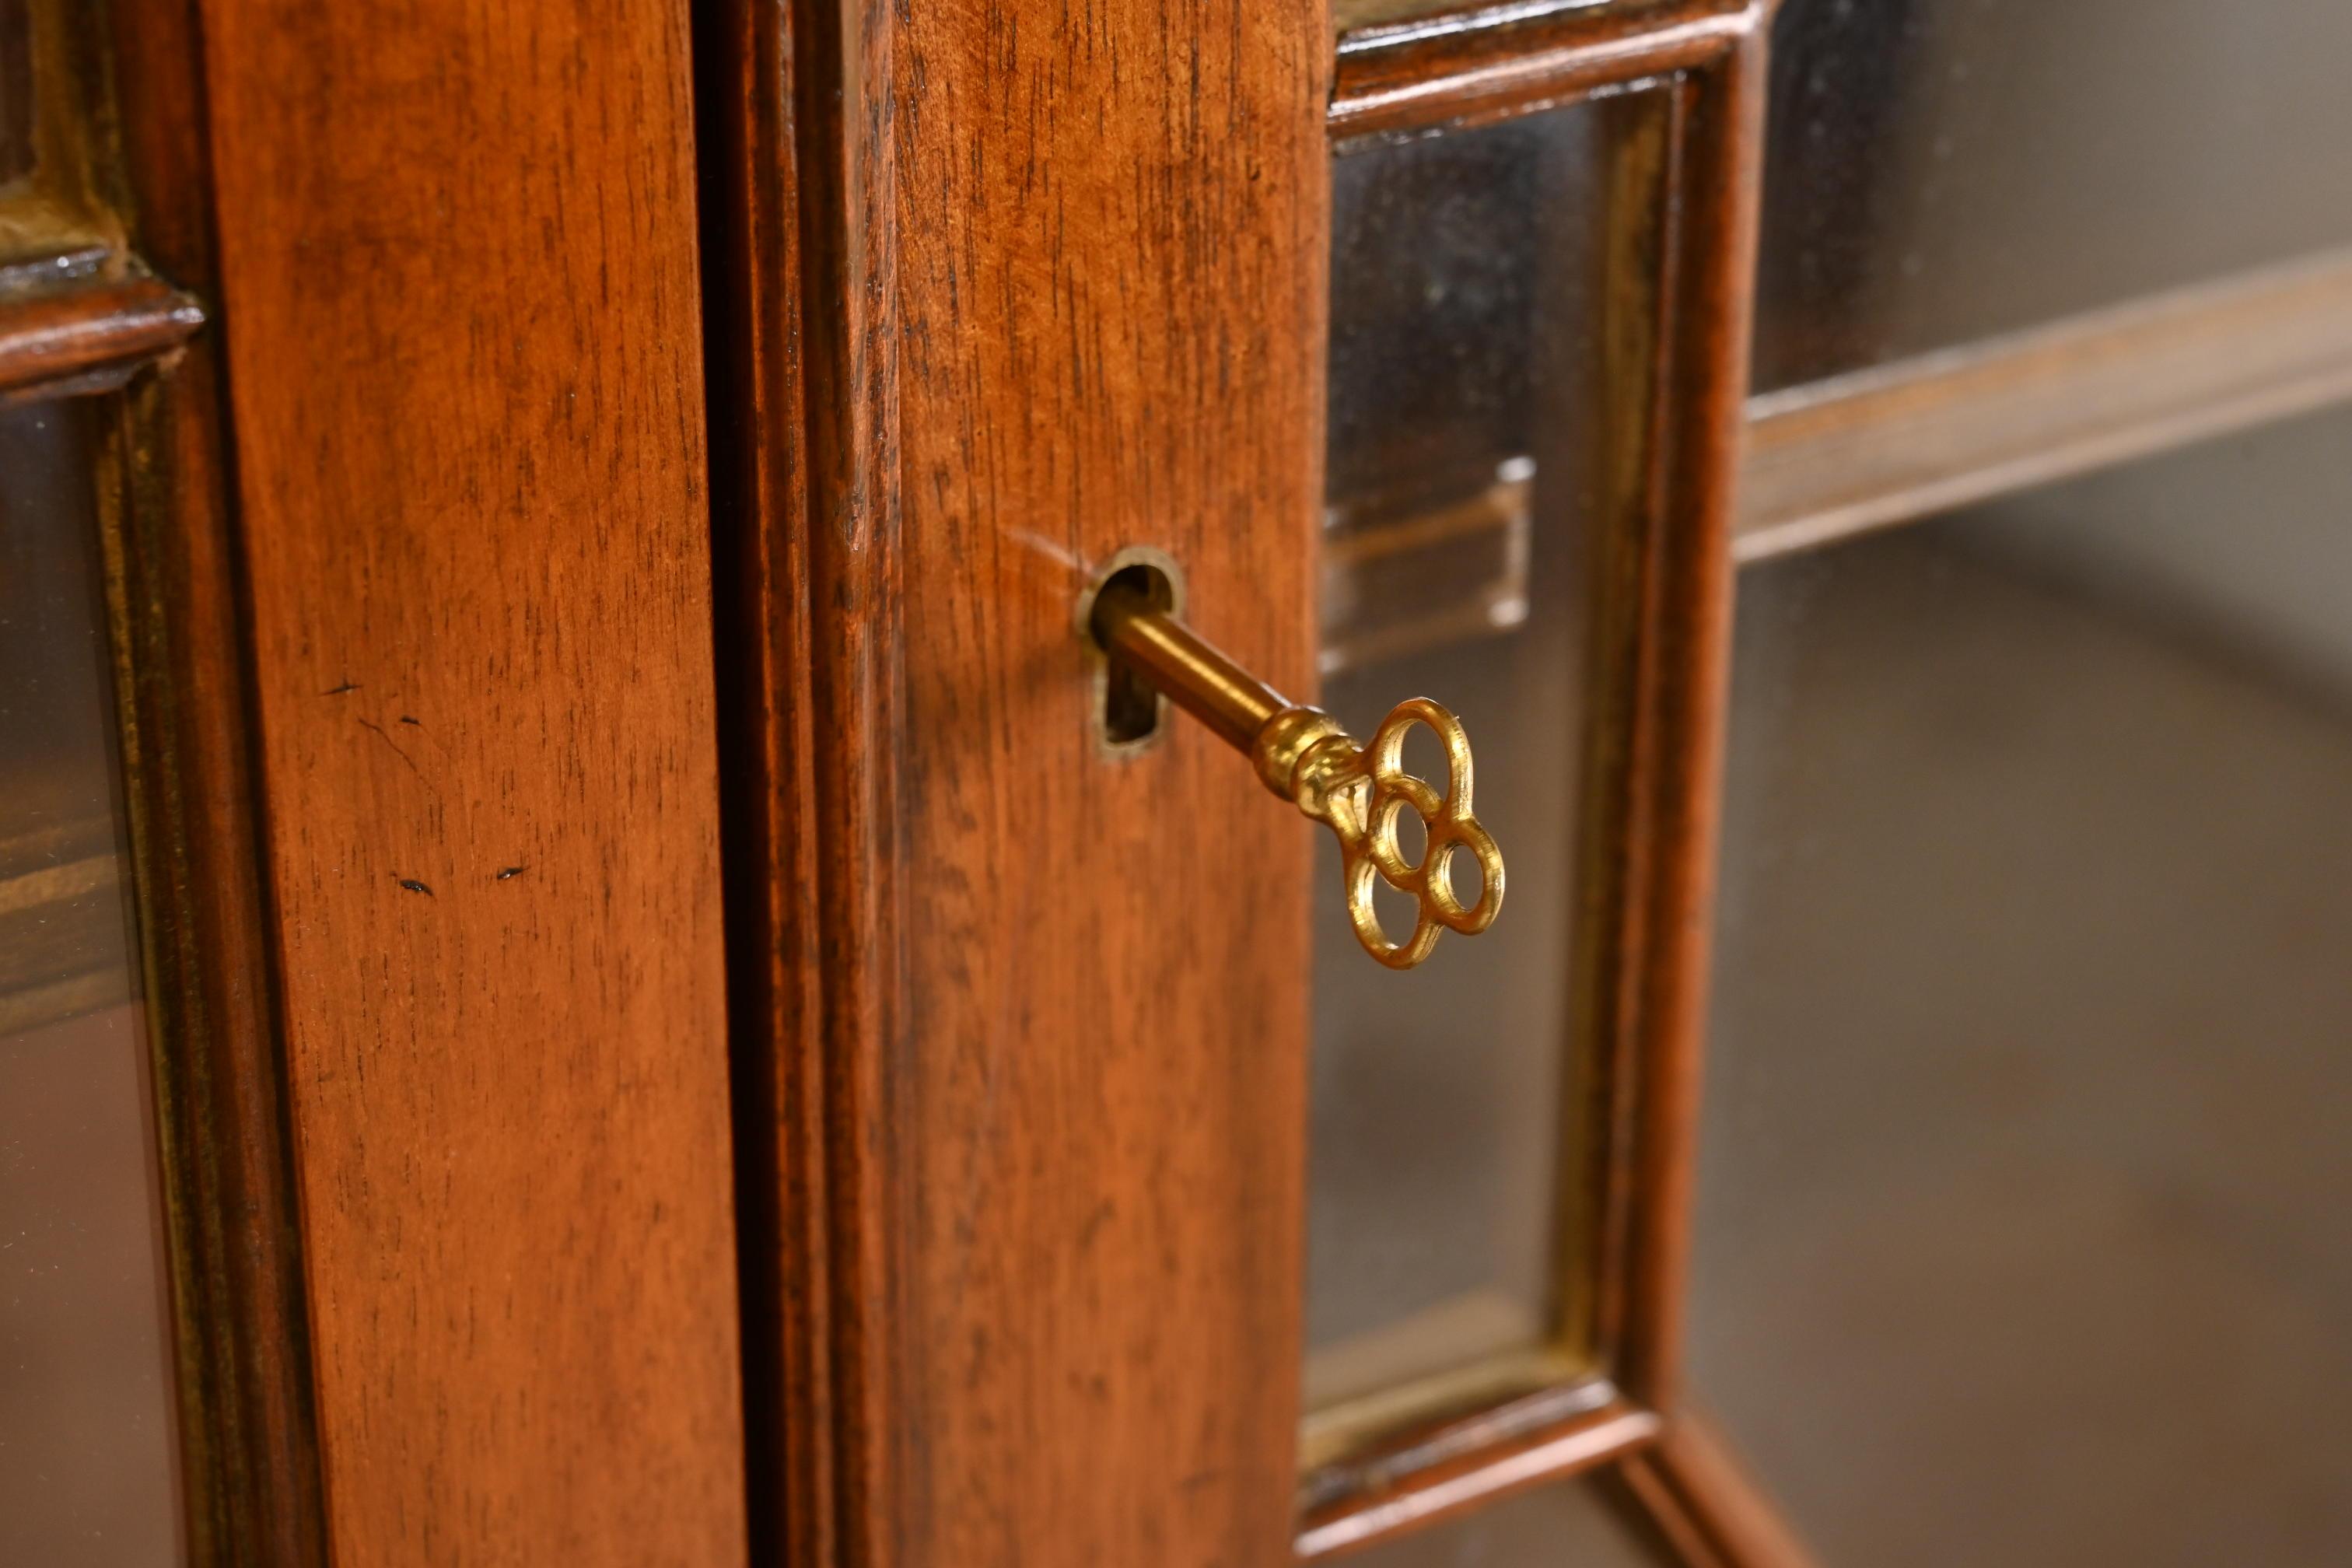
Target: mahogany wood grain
<point x="1462" y="65"/>
<point x="758" y="353"/>
<point x="1887" y="446"/>
<point x="852" y="98"/>
<point x="1060" y="283"/>
<point x="90" y="333"/>
<point x="458" y="274"/>
<point x="1112" y="246"/>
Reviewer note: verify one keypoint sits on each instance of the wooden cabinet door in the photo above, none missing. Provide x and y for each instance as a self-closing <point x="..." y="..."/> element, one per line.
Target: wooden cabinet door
<point x="358" y="587"/>
<point x="1034" y="1029"/>
<point x="606" y="961"/>
<point x="999" y="294"/>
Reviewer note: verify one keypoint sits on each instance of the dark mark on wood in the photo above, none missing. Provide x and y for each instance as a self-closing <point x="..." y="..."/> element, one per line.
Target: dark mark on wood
<point x="407" y="719"/>
<point x="386" y="736"/>
<point x="339" y="690"/>
<point x="508" y="872"/>
<point x="414" y="885"/>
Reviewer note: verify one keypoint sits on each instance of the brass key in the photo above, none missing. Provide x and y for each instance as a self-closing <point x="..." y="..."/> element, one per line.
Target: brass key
<point x="1360" y="793"/>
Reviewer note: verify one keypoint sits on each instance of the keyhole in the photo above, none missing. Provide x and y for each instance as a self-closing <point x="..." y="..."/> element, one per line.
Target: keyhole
<point x="1131" y="709"/>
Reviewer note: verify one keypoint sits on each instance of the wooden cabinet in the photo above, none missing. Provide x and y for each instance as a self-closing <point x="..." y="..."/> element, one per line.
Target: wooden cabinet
<point x="403" y="495"/>
<point x="601" y="964"/>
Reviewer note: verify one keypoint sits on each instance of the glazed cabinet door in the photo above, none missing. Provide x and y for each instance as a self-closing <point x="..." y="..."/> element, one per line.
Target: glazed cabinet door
<point x="1162" y="1144"/>
<point x="759" y="762"/>
<point x="1115" y="1191"/>
<point x="363" y="1101"/>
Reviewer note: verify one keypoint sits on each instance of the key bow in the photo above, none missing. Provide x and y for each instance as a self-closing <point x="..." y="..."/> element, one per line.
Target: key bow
<point x="1361" y="793"/>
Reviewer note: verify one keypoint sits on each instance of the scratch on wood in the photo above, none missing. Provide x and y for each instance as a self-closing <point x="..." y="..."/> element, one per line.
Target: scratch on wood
<point x="414" y="885"/>
<point x="386" y="736"/>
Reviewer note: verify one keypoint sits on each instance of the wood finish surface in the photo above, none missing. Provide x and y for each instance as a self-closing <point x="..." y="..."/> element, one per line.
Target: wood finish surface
<point x="1461" y="66"/>
<point x="63" y="341"/>
<point x="786" y="925"/>
<point x="458" y="276"/>
<point x="1059" y="287"/>
<point x="851" y="100"/>
<point x="1111" y="250"/>
<point x="1881" y="447"/>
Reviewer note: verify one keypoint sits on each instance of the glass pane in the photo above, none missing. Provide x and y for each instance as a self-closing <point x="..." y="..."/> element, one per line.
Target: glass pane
<point x="1568" y="1526"/>
<point x="16" y="147"/>
<point x="1461" y="504"/>
<point x="2026" y="1183"/>
<point x="1940" y="170"/>
<point x="87" y="1452"/>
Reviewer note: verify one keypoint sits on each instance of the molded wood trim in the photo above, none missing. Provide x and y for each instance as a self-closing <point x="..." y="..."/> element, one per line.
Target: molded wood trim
<point x="797" y="131"/>
<point x="1467" y="67"/>
<point x="90" y="333"/>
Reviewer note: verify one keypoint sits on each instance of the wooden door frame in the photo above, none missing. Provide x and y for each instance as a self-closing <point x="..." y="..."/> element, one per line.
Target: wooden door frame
<point x="1663" y="659"/>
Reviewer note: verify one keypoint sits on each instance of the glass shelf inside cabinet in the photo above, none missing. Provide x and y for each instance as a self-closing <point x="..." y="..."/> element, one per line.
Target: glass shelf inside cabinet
<point x="1466" y="495"/>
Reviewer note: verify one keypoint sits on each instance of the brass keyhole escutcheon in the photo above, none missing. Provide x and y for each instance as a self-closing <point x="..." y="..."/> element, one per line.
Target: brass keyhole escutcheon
<point x="1360" y="792"/>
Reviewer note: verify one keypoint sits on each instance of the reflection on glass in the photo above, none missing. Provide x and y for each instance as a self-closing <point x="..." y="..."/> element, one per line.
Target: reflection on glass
<point x="1567" y="1525"/>
<point x="17" y="147"/>
<point x="2026" y="1184"/>
<point x="1939" y="170"/>
<point x="1461" y="504"/>
<point x="87" y="1453"/>
<point x="47" y="227"/>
